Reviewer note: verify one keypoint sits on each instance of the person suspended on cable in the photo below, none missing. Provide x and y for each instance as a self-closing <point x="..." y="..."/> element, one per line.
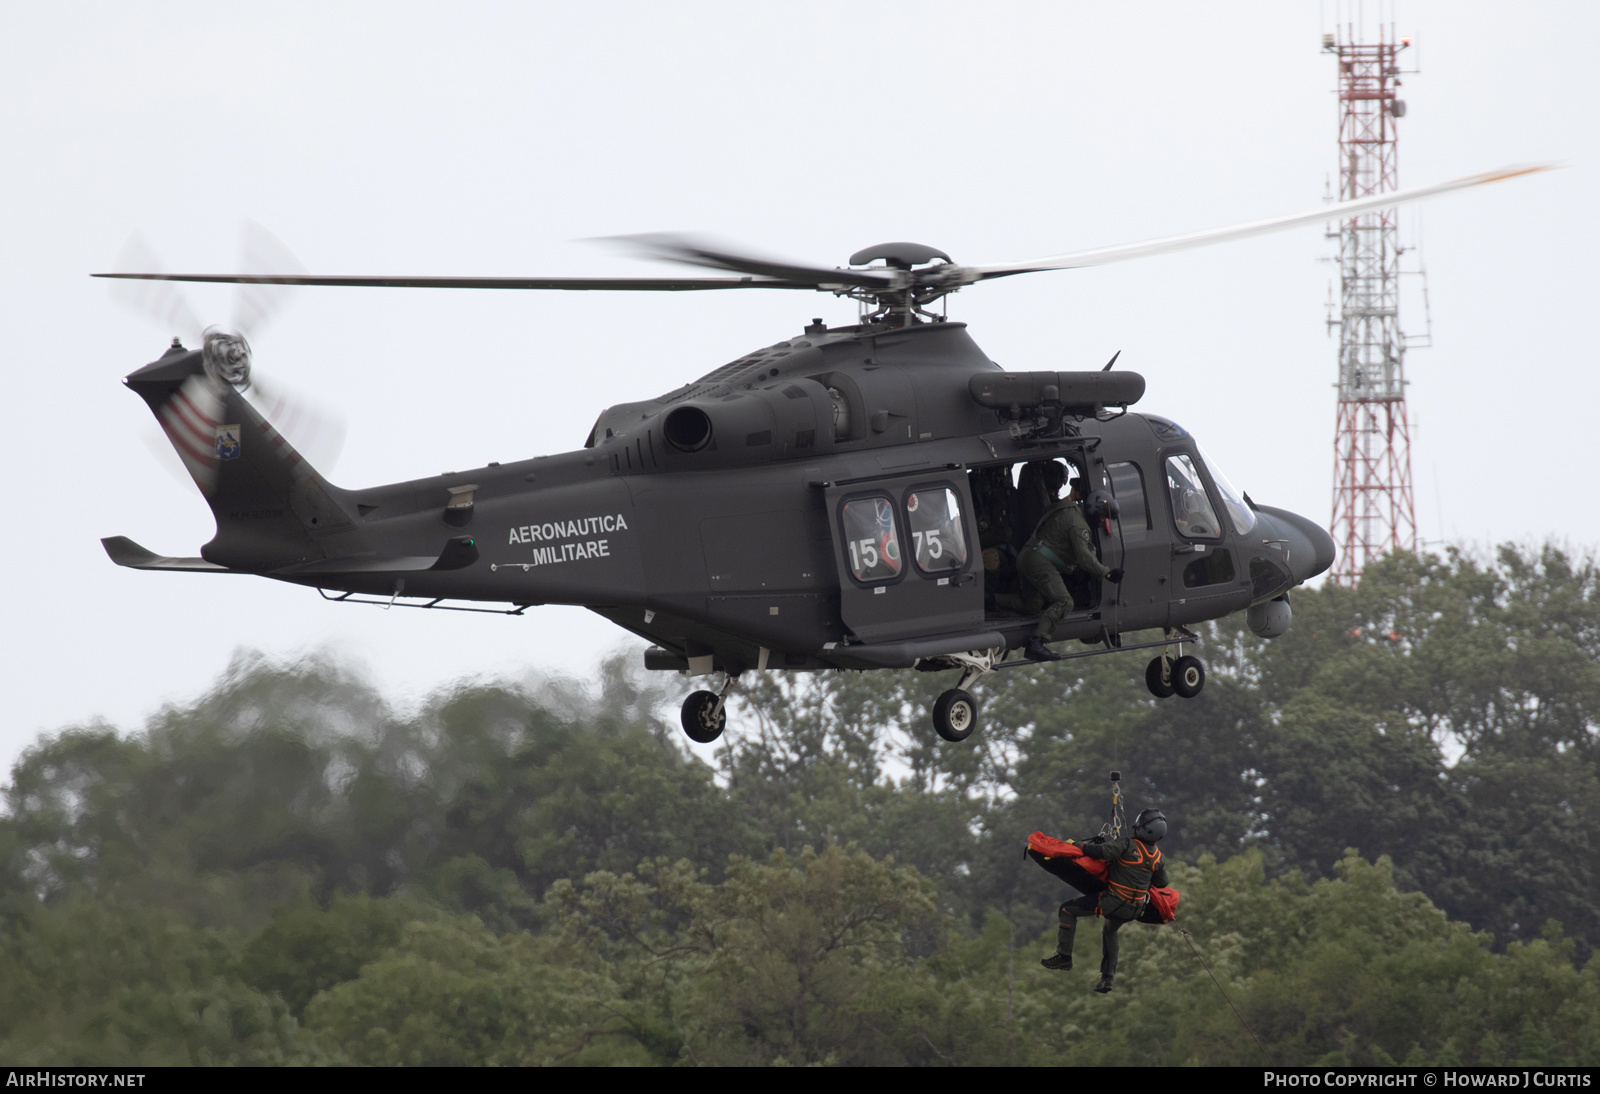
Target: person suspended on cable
<point x="1133" y="868"/>
<point x="1060" y="549"/>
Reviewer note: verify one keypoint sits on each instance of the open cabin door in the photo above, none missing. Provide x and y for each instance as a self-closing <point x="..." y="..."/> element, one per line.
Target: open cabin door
<point x="906" y="547"/>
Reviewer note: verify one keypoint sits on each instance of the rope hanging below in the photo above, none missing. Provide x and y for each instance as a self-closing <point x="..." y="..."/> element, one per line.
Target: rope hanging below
<point x="1189" y="939"/>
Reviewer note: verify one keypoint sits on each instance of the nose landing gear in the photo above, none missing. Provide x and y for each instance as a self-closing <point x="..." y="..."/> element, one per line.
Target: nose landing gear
<point x="1188" y="677"/>
<point x="1182" y="676"/>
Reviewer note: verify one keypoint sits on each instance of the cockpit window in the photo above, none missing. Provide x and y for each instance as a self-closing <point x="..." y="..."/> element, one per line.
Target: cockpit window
<point x="1191" y="509"/>
<point x="1240" y="515"/>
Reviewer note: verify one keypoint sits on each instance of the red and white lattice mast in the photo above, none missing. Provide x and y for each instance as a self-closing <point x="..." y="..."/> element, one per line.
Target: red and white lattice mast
<point x="1373" y="506"/>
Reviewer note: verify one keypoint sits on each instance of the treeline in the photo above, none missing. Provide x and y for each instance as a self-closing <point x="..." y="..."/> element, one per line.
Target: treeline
<point x="1386" y="827"/>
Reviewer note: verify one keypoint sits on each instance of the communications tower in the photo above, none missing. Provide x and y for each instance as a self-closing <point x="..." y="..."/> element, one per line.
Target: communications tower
<point x="1373" y="507"/>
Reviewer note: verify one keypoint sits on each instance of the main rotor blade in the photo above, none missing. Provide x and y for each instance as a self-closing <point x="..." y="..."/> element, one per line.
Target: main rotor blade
<point x="1340" y="211"/>
<point x="694" y="251"/>
<point x="624" y="284"/>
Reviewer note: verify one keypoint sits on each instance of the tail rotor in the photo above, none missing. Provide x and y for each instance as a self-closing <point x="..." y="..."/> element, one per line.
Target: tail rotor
<point x="227" y="356"/>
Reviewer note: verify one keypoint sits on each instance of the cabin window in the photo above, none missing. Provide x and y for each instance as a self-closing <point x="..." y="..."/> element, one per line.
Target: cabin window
<point x="871" y="541"/>
<point x="1267" y="578"/>
<point x="1191" y="509"/>
<point x="1127" y="486"/>
<point x="937" y="540"/>
<point x="1211" y="568"/>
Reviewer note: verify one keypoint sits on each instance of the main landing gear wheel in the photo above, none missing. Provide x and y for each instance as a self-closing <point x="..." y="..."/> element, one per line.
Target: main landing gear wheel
<point x="955" y="715"/>
<point x="704" y="716"/>
<point x="1160" y="688"/>
<point x="1188" y="676"/>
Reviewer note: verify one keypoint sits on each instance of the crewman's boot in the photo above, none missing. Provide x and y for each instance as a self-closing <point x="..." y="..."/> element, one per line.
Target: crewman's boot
<point x="1104" y="986"/>
<point x="1036" y="650"/>
<point x="1061" y="962"/>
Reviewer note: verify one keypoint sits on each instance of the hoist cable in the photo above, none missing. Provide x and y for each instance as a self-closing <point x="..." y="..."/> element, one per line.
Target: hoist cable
<point x="1112" y="828"/>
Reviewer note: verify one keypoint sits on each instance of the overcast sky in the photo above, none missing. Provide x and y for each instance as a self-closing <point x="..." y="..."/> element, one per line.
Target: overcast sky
<point x="490" y="138"/>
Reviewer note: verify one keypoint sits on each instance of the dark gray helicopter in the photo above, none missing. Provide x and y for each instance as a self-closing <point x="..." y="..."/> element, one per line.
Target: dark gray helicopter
<point x="846" y="498"/>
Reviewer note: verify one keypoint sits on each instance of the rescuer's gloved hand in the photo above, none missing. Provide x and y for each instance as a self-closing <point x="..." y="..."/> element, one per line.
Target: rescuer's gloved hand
<point x="1115" y="576"/>
<point x="1095" y="839"/>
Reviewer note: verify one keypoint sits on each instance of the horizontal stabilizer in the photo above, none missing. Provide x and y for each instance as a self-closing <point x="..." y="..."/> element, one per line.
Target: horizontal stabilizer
<point x="125" y="552"/>
<point x="460" y="552"/>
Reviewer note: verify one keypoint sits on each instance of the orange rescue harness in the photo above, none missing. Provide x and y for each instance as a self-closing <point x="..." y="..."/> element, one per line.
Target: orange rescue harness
<point x="1139" y="856"/>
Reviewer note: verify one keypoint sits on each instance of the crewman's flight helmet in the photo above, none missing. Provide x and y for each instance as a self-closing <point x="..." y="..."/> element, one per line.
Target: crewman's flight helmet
<point x="1053" y="473"/>
<point x="1150" y="826"/>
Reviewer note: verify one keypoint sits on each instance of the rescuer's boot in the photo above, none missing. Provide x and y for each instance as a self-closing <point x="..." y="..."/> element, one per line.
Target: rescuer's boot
<point x="1061" y="962"/>
<point x="1104" y="986"/>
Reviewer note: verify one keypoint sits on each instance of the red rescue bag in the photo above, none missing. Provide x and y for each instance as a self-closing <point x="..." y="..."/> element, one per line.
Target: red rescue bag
<point x="1164" y="902"/>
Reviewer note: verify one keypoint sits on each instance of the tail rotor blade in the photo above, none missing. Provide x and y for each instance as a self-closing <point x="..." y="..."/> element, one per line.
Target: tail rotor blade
<point x="314" y="431"/>
<point x="160" y="301"/>
<point x="257" y="303"/>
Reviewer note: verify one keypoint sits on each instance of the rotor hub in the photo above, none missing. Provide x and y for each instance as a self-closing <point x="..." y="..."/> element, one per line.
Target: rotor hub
<point x="900" y="256"/>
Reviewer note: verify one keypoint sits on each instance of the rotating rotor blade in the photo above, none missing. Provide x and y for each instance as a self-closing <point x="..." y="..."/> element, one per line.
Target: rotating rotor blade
<point x="315" y="431"/>
<point x="163" y="304"/>
<point x="697" y="251"/>
<point x="256" y="303"/>
<point x="1340" y="211"/>
<point x="624" y="284"/>
<point x="308" y="428"/>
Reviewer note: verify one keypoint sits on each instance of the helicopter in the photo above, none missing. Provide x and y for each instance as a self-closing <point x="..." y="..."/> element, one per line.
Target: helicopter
<point x="849" y="497"/>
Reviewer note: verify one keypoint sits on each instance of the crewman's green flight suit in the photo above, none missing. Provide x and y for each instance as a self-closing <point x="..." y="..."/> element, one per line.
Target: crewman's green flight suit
<point x="1133" y="866"/>
<point x="1061" y="544"/>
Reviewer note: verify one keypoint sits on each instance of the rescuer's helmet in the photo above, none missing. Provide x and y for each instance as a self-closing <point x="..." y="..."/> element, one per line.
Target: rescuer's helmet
<point x="1150" y="826"/>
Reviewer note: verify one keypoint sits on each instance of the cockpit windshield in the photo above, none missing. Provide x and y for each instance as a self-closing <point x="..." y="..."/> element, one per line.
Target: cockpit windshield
<point x="1240" y="515"/>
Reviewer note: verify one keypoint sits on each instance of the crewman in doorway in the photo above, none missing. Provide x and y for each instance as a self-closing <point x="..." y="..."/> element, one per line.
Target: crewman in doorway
<point x="1060" y="545"/>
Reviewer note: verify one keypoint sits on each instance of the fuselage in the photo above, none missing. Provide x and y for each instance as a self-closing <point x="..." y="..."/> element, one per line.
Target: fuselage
<point x="719" y="520"/>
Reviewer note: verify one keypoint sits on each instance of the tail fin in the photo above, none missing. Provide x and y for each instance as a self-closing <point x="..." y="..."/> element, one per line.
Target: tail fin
<point x="271" y="506"/>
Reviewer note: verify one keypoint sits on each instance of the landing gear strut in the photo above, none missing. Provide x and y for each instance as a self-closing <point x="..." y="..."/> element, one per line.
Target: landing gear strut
<point x="705" y="713"/>
<point x="1158" y="677"/>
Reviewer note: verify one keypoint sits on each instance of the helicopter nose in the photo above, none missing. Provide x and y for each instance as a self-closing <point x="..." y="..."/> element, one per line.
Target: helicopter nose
<point x="1310" y="549"/>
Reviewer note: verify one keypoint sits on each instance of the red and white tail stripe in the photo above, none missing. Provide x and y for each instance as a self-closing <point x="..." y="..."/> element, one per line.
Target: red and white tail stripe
<point x="286" y="411"/>
<point x="191" y="419"/>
